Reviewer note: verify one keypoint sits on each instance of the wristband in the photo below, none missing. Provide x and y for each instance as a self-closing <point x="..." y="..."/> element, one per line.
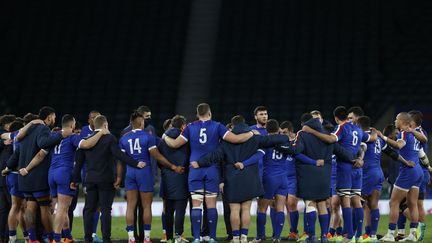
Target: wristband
<point x="385" y="138"/>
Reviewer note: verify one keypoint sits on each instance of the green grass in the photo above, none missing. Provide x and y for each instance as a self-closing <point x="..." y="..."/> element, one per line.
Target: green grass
<point x="118" y="225"/>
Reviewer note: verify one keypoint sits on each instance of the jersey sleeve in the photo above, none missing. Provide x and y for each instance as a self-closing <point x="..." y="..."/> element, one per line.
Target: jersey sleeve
<point x="222" y="130"/>
<point x="186" y="133"/>
<point x="365" y="137"/>
<point x="402" y="136"/>
<point x="121" y="145"/>
<point x="337" y="132"/>
<point x="151" y="144"/>
<point x="75" y="139"/>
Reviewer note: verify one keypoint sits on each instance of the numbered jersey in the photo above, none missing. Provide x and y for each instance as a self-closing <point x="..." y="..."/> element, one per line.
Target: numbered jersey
<point x="63" y="154"/>
<point x="350" y="136"/>
<point x="275" y="163"/>
<point x="137" y="144"/>
<point x="372" y="157"/>
<point x="203" y="137"/>
<point x="411" y="149"/>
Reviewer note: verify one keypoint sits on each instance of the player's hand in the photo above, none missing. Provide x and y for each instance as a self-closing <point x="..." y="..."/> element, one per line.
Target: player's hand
<point x="358" y="163"/>
<point x="320" y="162"/>
<point x="307" y="129"/>
<point x="255" y="132"/>
<point x="221" y="187"/>
<point x="67" y="131"/>
<point x="5" y="172"/>
<point x="105" y="131"/>
<point x="179" y="169"/>
<point x="430" y="169"/>
<point x="23" y="172"/>
<point x="407" y="128"/>
<point x="7" y="142"/>
<point x="37" y="121"/>
<point x="141" y="164"/>
<point x="194" y="164"/>
<point x="378" y="132"/>
<point x="117" y="183"/>
<point x="410" y="163"/>
<point x="239" y="165"/>
<point x="73" y="186"/>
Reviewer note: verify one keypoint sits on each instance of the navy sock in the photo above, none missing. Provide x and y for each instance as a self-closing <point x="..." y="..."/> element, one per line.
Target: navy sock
<point x="130" y="228"/>
<point x="323" y="220"/>
<point x="163" y="221"/>
<point x="392" y="226"/>
<point x="273" y="219"/>
<point x="67" y="233"/>
<point x="294" y="218"/>
<point x="244" y="231"/>
<point x="347" y="218"/>
<point x="413" y="225"/>
<point x="339" y="230"/>
<point x="401" y="221"/>
<point x="375" y="217"/>
<point x="332" y="231"/>
<point x="261" y="222"/>
<point x="359" y="215"/>
<point x="32" y="234"/>
<point x="95" y="221"/>
<point x="196" y="216"/>
<point x="280" y="219"/>
<point x="212" y="217"/>
<point x="368" y="230"/>
<point x="236" y="233"/>
<point x="310" y="221"/>
<point x="57" y="237"/>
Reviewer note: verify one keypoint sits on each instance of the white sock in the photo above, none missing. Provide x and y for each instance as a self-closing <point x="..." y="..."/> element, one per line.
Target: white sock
<point x="147" y="234"/>
<point x="401" y="231"/>
<point x="131" y="235"/>
<point x="243" y="237"/>
<point x="12" y="238"/>
<point x="391" y="232"/>
<point x="94" y="234"/>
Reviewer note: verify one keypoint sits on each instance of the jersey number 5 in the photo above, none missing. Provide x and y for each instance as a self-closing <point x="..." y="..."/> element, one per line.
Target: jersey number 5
<point x="134" y="145"/>
<point x="203" y="136"/>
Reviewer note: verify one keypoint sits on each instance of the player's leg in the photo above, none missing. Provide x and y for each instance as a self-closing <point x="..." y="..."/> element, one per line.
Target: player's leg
<point x="374" y="215"/>
<point x="169" y="206"/>
<point x="106" y="193"/>
<point x="280" y="215"/>
<point x="310" y="218"/>
<point x="146" y="202"/>
<point x="131" y="198"/>
<point x="343" y="186"/>
<point x="180" y="211"/>
<point x="356" y="177"/>
<point x="412" y="198"/>
<point x="398" y="194"/>
<point x="12" y="217"/>
<point x="44" y="202"/>
<point x="324" y="219"/>
<point x="211" y="185"/>
<point x="196" y="188"/>
<point x="235" y="221"/>
<point x="30" y="217"/>
<point x="335" y="219"/>
<point x="293" y="213"/>
<point x="63" y="203"/>
<point x="245" y="220"/>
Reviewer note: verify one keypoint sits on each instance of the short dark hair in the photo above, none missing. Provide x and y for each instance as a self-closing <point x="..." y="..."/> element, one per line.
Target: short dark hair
<point x="288" y="125"/>
<point x="417" y="117"/>
<point x="329" y="127"/>
<point x="99" y="121"/>
<point x="45" y="111"/>
<point x="238" y="119"/>
<point x="143" y="109"/>
<point x="166" y="124"/>
<point x="134" y="118"/>
<point x="340" y="113"/>
<point x="203" y="109"/>
<point x="229" y="126"/>
<point x="30" y="117"/>
<point x="15" y="126"/>
<point x="272" y="126"/>
<point x="357" y="110"/>
<point x="5" y="119"/>
<point x="364" y="122"/>
<point x="178" y="121"/>
<point x="305" y="117"/>
<point x="259" y="108"/>
<point x="315" y="112"/>
<point x="389" y="129"/>
<point x="66" y="119"/>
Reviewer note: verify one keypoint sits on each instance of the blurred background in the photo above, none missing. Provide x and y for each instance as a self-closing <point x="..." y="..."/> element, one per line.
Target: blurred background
<point x="290" y="56"/>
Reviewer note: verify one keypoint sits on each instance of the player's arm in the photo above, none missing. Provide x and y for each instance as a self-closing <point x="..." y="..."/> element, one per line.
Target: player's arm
<point x="419" y="136"/>
<point x="343" y="153"/>
<point x="214" y="157"/>
<point x="237" y="138"/>
<point x="154" y="152"/>
<point x="12" y="162"/>
<point x="120" y="155"/>
<point x="23" y="131"/>
<point x="37" y="159"/>
<point x="286" y="149"/>
<point x="259" y="154"/>
<point x="399" y="144"/>
<point x="327" y="138"/>
<point x="93" y="140"/>
<point x="424" y="158"/>
<point x="370" y="138"/>
<point x="271" y="140"/>
<point x="174" y="143"/>
<point x="5" y="136"/>
<point x="309" y="161"/>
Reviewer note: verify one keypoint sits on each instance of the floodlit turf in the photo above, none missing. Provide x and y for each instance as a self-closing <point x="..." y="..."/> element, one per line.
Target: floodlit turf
<point x="118" y="225"/>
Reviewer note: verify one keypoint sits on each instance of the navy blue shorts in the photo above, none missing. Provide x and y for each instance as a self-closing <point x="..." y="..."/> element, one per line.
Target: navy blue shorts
<point x="275" y="185"/>
<point x="59" y="182"/>
<point x="409" y="178"/>
<point x="373" y="179"/>
<point x="12" y="185"/>
<point x="204" y="179"/>
<point x="139" y="179"/>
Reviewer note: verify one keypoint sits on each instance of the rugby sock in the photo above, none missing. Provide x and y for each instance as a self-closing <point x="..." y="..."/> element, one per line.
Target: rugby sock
<point x="236" y="234"/>
<point x="359" y="215"/>
<point x="212" y="217"/>
<point x="67" y="234"/>
<point x="12" y="236"/>
<point x="32" y="234"/>
<point x="347" y="218"/>
<point x="304" y="221"/>
<point x="130" y="230"/>
<point x="368" y="230"/>
<point x="401" y="223"/>
<point x="413" y="228"/>
<point x="261" y="222"/>
<point x="147" y="230"/>
<point x="95" y="221"/>
<point x="294" y="218"/>
<point x="391" y="228"/>
<point x="273" y="220"/>
<point x="51" y="235"/>
<point x="57" y="237"/>
<point x="196" y="216"/>
<point x="332" y="231"/>
<point x="323" y="220"/>
<point x="26" y="235"/>
<point x="375" y="217"/>
<point x="310" y="221"/>
<point x="280" y="219"/>
<point x="163" y="221"/>
<point x="339" y="230"/>
<point x="244" y="233"/>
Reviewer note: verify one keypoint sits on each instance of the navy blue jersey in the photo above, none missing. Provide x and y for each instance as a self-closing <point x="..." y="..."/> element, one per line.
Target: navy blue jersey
<point x="350" y="136"/>
<point x="411" y="149"/>
<point x="137" y="144"/>
<point x="372" y="157"/>
<point x="290" y="167"/>
<point x="422" y="145"/>
<point x="15" y="142"/>
<point x="86" y="131"/>
<point x="63" y="154"/>
<point x="275" y="163"/>
<point x="261" y="130"/>
<point x="203" y="137"/>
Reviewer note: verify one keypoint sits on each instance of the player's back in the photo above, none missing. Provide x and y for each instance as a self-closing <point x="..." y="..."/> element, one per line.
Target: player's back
<point x="63" y="154"/>
<point x="137" y="144"/>
<point x="203" y="137"/>
<point x="411" y="149"/>
<point x="275" y="163"/>
<point x="372" y="157"/>
<point x="349" y="136"/>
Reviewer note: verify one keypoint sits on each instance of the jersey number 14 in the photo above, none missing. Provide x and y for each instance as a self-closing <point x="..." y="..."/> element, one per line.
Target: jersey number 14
<point x="134" y="145"/>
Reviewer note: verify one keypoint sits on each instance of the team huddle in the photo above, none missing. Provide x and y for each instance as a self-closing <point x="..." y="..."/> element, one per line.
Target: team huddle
<point x="335" y="170"/>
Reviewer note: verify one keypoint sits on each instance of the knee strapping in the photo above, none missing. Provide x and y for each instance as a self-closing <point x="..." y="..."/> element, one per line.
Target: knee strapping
<point x="309" y="207"/>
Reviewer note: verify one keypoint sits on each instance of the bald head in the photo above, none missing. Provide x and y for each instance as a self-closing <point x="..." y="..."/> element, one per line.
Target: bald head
<point x="403" y="119"/>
